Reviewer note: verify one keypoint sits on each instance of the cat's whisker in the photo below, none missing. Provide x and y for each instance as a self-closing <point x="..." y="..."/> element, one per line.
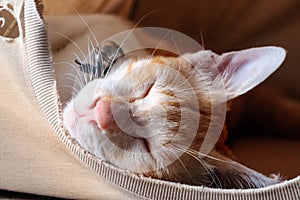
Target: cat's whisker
<point x="202" y="40"/>
<point x="176" y="46"/>
<point x="184" y="150"/>
<point x="115" y="54"/>
<point x="94" y="58"/>
<point x="69" y="39"/>
<point x="91" y="46"/>
<point x="83" y="21"/>
<point x="205" y="155"/>
<point x="187" y="79"/>
<point x="159" y="43"/>
<point x="84" y="76"/>
<point x="79" y="82"/>
<point x="181" y="163"/>
<point x="126" y="37"/>
<point x="90" y="76"/>
<point x="90" y="61"/>
<point x="180" y="62"/>
<point x="70" y="89"/>
<point x="210" y="172"/>
<point x="75" y="83"/>
<point x="76" y="77"/>
<point x="186" y="90"/>
<point x="195" y="154"/>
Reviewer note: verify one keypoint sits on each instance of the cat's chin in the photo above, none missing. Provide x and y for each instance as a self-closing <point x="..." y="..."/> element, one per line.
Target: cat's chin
<point x="69" y="119"/>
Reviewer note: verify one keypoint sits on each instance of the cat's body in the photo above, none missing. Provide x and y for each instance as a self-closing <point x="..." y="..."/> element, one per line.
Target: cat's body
<point x="151" y="115"/>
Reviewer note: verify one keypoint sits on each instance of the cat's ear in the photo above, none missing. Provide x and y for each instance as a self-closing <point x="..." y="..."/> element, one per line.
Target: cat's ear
<point x="245" y="69"/>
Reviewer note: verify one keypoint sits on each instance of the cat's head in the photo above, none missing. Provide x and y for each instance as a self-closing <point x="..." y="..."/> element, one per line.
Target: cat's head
<point x="151" y="115"/>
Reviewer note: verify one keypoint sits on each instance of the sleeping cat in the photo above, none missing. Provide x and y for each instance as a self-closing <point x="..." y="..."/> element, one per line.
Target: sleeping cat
<point x="151" y="115"/>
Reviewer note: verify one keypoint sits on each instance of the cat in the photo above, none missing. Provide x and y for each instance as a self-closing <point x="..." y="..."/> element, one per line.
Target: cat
<point x="151" y="115"/>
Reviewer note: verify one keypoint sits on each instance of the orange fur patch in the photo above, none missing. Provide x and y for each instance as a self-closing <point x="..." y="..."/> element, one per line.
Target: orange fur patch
<point x="175" y="104"/>
<point x="157" y="60"/>
<point x="168" y="93"/>
<point x="129" y="68"/>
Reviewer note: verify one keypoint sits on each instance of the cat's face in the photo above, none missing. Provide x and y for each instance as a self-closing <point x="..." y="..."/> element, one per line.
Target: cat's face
<point x="141" y="115"/>
<point x="146" y="113"/>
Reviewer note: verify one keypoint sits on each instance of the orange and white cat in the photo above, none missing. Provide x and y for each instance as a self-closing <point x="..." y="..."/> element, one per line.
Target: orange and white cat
<point x="151" y="115"/>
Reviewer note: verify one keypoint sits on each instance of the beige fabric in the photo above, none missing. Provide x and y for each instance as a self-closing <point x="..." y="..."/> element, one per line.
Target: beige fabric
<point x="36" y="155"/>
<point x="32" y="158"/>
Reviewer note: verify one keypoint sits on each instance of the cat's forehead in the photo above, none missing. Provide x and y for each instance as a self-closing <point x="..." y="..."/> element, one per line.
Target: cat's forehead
<point x="154" y="62"/>
<point x="135" y="72"/>
<point x="146" y="68"/>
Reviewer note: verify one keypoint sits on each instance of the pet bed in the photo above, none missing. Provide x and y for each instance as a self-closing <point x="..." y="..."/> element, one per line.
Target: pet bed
<point x="37" y="155"/>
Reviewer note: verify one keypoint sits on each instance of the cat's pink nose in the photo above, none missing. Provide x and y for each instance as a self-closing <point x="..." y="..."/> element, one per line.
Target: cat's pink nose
<point x="103" y="114"/>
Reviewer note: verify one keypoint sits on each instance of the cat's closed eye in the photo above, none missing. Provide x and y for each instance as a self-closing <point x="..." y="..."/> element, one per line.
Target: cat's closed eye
<point x="142" y="91"/>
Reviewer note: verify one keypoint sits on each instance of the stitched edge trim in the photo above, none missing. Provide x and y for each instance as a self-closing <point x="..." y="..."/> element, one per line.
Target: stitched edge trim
<point x="39" y="63"/>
